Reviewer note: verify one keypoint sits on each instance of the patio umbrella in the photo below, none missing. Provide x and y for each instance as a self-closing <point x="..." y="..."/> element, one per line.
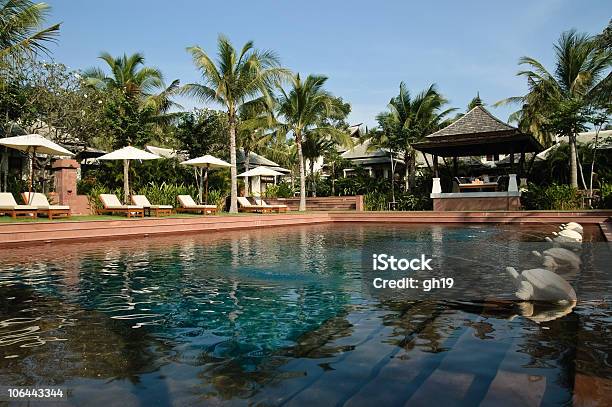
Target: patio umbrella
<point x="261" y="171"/>
<point x="205" y="163"/>
<point x="34" y="143"/>
<point x="127" y="154"/>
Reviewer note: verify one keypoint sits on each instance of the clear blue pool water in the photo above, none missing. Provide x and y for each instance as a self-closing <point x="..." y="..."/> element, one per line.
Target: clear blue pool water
<point x="281" y="317"/>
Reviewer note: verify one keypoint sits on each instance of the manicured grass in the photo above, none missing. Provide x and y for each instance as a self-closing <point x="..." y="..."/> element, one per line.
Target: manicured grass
<point x="86" y="218"/>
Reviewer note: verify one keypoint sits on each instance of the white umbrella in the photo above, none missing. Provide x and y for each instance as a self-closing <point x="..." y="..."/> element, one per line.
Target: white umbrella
<point x="205" y="163"/>
<point x="127" y="154"/>
<point x="34" y="143"/>
<point x="260" y="171"/>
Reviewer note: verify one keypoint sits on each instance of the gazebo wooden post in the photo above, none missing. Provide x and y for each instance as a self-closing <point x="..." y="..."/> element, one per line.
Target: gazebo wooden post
<point x="435" y="167"/>
<point x="455" y="167"/>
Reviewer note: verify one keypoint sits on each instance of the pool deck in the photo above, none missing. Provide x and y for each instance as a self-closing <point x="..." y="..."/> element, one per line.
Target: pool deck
<point x="25" y="233"/>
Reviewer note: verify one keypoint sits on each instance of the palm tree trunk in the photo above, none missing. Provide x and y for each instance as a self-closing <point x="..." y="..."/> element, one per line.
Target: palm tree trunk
<point x="233" y="173"/>
<point x="312" y="179"/>
<point x="412" y="173"/>
<point x="247" y="166"/>
<point x="573" y="161"/>
<point x="406" y="171"/>
<point x="298" y="143"/>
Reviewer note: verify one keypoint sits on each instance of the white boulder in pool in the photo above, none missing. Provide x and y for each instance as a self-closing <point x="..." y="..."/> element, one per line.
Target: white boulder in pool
<point x="559" y="257"/>
<point x="572" y="226"/>
<point x="539" y="312"/>
<point x="569" y="234"/>
<point x="541" y="285"/>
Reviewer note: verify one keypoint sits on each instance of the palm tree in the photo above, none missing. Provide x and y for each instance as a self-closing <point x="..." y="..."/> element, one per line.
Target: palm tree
<point x="305" y="109"/>
<point x="20" y="28"/>
<point x="407" y="121"/>
<point x="557" y="103"/>
<point x="255" y="130"/>
<point x="238" y="78"/>
<point x="128" y="75"/>
<point x="312" y="148"/>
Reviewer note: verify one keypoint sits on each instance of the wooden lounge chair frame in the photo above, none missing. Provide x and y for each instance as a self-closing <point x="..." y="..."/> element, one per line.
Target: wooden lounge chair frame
<point x="158" y="209"/>
<point x="188" y="207"/>
<point x="18" y="210"/>
<point x="44" y="208"/>
<point x="126" y="209"/>
<point x="250" y="208"/>
<point x="274" y="208"/>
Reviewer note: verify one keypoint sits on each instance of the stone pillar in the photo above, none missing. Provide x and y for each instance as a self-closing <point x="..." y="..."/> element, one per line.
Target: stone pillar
<point x="512" y="186"/>
<point x="65" y="174"/>
<point x="359" y="203"/>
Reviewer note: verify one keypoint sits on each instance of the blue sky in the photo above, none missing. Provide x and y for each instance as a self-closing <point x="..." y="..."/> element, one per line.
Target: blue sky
<point x="365" y="47"/>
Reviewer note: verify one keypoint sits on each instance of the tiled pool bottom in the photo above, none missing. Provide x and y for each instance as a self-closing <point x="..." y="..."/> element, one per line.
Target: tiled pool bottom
<point x="280" y="317"/>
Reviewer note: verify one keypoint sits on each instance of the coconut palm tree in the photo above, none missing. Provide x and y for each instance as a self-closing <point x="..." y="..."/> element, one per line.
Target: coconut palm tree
<point x="21" y="28"/>
<point x="314" y="147"/>
<point x="128" y="75"/>
<point x="557" y="102"/>
<point x="305" y="109"/>
<point x="255" y="130"/>
<point x="235" y="79"/>
<point x="407" y="121"/>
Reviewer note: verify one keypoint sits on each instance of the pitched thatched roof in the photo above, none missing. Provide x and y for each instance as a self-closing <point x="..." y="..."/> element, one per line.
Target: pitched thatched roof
<point x="478" y="132"/>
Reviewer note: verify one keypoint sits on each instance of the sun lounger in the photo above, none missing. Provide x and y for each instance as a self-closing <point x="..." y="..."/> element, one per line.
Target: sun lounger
<point x="246" y="206"/>
<point x="111" y="204"/>
<point x="275" y="208"/>
<point x="9" y="205"/>
<point x="141" y="200"/>
<point x="40" y="202"/>
<point x="187" y="204"/>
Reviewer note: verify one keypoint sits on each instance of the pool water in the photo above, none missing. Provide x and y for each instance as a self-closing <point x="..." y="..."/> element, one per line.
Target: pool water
<point x="283" y="316"/>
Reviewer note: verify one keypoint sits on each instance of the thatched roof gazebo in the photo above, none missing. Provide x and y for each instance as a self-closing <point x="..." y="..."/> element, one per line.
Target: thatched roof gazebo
<point x="477" y="133"/>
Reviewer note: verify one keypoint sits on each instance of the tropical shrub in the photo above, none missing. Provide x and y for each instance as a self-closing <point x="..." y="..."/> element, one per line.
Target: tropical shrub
<point x="217" y="197"/>
<point x="375" y="201"/>
<point x="165" y="194"/>
<point x="413" y="202"/>
<point x="605" y="201"/>
<point x="96" y="190"/>
<point x="552" y="197"/>
<point x="280" y="190"/>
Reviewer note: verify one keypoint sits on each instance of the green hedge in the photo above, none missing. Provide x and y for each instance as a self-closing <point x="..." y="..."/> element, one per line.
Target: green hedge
<point x="552" y="197"/>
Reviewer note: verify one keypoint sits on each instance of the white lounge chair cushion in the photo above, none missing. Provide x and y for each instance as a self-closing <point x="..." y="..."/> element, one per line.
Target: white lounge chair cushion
<point x="261" y="202"/>
<point x="245" y="202"/>
<point x="40" y="201"/>
<point x="17" y="207"/>
<point x="110" y="201"/>
<point x="54" y="207"/>
<point x="7" y="200"/>
<point x="187" y="202"/>
<point x="142" y="200"/>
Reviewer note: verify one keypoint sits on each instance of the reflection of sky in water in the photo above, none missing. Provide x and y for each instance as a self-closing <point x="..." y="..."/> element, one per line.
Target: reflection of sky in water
<point x="268" y="315"/>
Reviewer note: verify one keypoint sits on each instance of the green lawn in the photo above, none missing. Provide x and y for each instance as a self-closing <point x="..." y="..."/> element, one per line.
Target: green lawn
<point x="82" y="218"/>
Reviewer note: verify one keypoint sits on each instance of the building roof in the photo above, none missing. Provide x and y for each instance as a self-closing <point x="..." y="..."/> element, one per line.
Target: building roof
<point x="256" y="160"/>
<point x="363" y="155"/>
<point x="478" y="132"/>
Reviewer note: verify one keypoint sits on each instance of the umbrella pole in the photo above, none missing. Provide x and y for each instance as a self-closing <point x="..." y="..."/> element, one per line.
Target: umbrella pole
<point x="206" y="177"/>
<point x="126" y="181"/>
<point x="31" y="175"/>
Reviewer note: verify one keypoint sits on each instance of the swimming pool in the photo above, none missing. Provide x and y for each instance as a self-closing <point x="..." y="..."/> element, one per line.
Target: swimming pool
<point x="283" y="316"/>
